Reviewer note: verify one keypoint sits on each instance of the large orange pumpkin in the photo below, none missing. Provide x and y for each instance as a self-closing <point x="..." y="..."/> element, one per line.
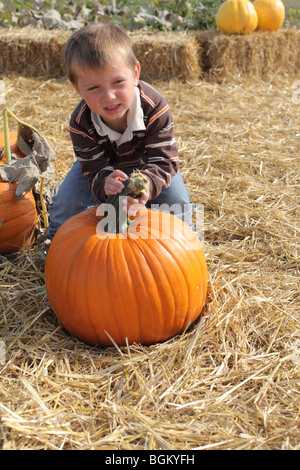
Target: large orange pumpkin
<point x="18" y="217"/>
<point x="270" y="13"/>
<point x="147" y="284"/>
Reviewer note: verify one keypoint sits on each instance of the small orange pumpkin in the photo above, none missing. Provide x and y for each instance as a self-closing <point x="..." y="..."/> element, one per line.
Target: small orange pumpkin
<point x="18" y="217"/>
<point x="13" y="136"/>
<point x="270" y="13"/>
<point x="236" y="16"/>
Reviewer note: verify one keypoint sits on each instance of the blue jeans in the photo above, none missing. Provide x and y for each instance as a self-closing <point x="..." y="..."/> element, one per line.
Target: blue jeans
<point x="74" y="196"/>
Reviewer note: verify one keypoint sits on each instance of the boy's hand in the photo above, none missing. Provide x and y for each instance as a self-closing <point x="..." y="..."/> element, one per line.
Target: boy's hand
<point x="133" y="205"/>
<point x="113" y="183"/>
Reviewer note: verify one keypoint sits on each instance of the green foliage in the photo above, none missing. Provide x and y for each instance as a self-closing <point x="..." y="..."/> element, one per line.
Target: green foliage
<point x="161" y="15"/>
<point x="292" y="17"/>
<point x="131" y="14"/>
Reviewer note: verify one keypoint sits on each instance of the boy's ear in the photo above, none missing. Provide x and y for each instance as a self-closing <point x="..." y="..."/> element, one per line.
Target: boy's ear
<point x="74" y="86"/>
<point x="137" y="73"/>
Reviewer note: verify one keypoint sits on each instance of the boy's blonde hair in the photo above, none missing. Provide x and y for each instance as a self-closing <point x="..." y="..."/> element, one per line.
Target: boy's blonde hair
<point x="97" y="45"/>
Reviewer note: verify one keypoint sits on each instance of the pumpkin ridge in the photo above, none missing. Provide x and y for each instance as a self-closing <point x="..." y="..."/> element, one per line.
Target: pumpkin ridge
<point x="78" y="277"/>
<point x="112" y="255"/>
<point x="17" y="239"/>
<point x="98" y="252"/>
<point x="18" y="219"/>
<point x="29" y="211"/>
<point x="192" y="268"/>
<point x="60" y="282"/>
<point x="77" y="262"/>
<point x="60" y="276"/>
<point x="166" y="319"/>
<point x="135" y="246"/>
<point x="171" y="253"/>
<point x="127" y="253"/>
<point x="9" y="236"/>
<point x="28" y="215"/>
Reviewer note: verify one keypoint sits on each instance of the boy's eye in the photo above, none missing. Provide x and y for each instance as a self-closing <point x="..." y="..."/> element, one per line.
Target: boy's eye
<point x="93" y="88"/>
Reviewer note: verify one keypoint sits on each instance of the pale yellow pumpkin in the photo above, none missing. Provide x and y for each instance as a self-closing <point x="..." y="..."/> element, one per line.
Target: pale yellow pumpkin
<point x="270" y="14"/>
<point x="236" y="16"/>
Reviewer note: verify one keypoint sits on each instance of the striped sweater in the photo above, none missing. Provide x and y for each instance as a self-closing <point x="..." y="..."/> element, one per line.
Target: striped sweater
<point x="148" y="142"/>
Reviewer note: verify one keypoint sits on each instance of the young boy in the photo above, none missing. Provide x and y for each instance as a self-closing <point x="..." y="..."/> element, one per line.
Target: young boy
<point x="121" y="124"/>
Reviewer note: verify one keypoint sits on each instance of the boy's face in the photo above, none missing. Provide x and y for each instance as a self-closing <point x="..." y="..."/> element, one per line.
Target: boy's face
<point x="110" y="92"/>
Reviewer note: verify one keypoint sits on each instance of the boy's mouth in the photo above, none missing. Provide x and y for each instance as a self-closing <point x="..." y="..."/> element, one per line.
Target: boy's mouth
<point x="112" y="108"/>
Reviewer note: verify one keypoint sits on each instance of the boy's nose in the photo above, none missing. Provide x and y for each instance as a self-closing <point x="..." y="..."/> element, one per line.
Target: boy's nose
<point x="108" y="94"/>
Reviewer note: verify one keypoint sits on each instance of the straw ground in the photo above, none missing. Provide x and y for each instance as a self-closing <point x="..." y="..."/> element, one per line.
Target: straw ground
<point x="232" y="380"/>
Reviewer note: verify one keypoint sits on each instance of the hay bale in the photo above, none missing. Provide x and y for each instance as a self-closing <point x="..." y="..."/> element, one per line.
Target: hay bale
<point x="39" y="53"/>
<point x="164" y="56"/>
<point x="31" y="52"/>
<point x="185" y="56"/>
<point x="260" y="54"/>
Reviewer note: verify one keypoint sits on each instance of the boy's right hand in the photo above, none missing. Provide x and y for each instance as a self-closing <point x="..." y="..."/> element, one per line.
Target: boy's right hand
<point x="113" y="183"/>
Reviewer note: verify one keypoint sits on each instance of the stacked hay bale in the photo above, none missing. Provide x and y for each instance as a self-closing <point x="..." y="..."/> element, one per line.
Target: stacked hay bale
<point x="259" y="54"/>
<point x="33" y="53"/>
<point x="163" y="56"/>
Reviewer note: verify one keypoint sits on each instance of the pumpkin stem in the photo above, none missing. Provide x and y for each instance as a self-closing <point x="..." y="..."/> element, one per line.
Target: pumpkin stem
<point x="118" y="221"/>
<point x="22" y="123"/>
<point x="7" y="112"/>
<point x="6" y="136"/>
<point x="44" y="208"/>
